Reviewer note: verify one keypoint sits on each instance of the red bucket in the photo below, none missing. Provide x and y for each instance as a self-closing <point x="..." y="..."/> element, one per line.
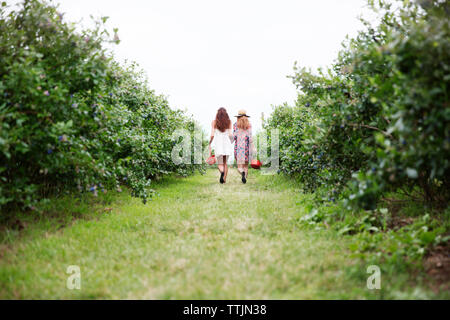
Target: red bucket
<point x="256" y="164"/>
<point x="211" y="160"/>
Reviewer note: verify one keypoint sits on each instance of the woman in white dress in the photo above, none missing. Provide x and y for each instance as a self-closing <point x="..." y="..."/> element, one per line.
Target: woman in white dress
<point x="222" y="135"/>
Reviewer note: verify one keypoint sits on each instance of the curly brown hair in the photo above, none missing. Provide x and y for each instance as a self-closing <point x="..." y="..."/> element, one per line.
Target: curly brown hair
<point x="223" y="121"/>
<point x="243" y="123"/>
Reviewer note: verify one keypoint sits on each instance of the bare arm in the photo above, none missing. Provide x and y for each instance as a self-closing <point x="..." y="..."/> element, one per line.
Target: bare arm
<point x="230" y="132"/>
<point x="252" y="145"/>
<point x="213" y="124"/>
<point x="212" y="135"/>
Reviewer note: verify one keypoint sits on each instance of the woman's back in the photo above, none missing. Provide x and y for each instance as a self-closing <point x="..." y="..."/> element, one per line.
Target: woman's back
<point x="222" y="141"/>
<point x="222" y="136"/>
<point x="242" y="132"/>
<point x="242" y="142"/>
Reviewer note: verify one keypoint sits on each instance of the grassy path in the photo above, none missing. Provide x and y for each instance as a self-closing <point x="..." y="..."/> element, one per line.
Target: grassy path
<point x="196" y="240"/>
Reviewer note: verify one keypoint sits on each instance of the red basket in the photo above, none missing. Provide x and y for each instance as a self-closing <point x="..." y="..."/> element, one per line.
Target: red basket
<point x="256" y="164"/>
<point x="211" y="160"/>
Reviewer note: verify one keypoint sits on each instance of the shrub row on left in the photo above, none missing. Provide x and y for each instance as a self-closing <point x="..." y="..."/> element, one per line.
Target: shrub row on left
<point x="71" y="117"/>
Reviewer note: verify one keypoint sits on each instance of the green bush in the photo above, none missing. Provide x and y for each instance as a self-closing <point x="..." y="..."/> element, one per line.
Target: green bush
<point x="71" y="117"/>
<point x="378" y="120"/>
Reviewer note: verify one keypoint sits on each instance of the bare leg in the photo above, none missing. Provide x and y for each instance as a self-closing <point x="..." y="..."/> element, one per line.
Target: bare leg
<point x="242" y="174"/>
<point x="245" y="167"/>
<point x="225" y="163"/>
<point x="221" y="166"/>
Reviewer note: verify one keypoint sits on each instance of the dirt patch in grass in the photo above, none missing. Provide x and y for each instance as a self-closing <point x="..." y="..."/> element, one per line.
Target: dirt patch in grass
<point x="397" y="222"/>
<point x="437" y="266"/>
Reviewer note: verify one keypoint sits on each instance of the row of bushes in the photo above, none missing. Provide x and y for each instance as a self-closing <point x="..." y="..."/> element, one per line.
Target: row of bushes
<point x="71" y="117"/>
<point x="369" y="141"/>
<point x="378" y="120"/>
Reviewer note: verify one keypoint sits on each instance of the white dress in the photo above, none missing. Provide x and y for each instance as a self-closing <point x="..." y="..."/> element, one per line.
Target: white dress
<point x="222" y="143"/>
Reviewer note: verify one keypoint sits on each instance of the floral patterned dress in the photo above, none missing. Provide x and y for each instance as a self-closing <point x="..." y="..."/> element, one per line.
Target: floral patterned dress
<point x="242" y="142"/>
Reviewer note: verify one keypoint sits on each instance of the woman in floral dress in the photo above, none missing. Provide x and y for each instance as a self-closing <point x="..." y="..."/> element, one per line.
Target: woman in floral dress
<point x="243" y="143"/>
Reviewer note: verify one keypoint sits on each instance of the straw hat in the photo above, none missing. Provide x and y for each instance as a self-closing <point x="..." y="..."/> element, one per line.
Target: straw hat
<point x="242" y="113"/>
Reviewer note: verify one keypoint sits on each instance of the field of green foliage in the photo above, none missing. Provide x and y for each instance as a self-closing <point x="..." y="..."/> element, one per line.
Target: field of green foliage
<point x="369" y="138"/>
<point x="364" y="176"/>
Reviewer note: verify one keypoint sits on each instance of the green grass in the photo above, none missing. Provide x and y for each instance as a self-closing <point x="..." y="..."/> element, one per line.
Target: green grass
<point x="196" y="239"/>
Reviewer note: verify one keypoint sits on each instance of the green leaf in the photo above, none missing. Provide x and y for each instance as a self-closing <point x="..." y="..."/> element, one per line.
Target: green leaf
<point x="345" y="230"/>
<point x="427" y="237"/>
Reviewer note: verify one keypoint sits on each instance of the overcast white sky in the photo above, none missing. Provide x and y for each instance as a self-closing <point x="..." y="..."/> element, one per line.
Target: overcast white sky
<point x="206" y="54"/>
